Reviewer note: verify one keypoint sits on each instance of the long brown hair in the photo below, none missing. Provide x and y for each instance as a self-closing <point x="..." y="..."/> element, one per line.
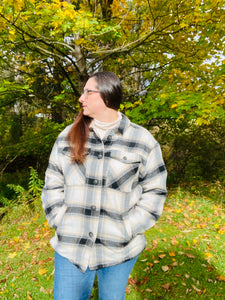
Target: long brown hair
<point x="110" y="89"/>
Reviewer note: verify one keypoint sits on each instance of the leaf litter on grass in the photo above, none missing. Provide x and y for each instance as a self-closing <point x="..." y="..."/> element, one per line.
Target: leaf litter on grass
<point x="27" y="260"/>
<point x="184" y="257"/>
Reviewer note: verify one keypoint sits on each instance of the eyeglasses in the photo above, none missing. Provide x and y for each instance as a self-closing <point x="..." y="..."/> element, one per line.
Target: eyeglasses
<point x="86" y="92"/>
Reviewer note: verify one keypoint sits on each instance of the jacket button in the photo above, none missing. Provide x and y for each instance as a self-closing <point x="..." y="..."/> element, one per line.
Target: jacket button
<point x="91" y="234"/>
<point x="125" y="158"/>
<point x="93" y="207"/>
<point x="96" y="181"/>
<point x="99" y="156"/>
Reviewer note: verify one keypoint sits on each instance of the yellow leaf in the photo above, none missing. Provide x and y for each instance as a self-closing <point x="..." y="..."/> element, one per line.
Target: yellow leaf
<point x="172" y="253"/>
<point x="195" y="241"/>
<point x="42" y="271"/>
<point x="26" y="246"/>
<point x="182" y="25"/>
<point x="12" y="255"/>
<point x="173" y="105"/>
<point x="29" y="297"/>
<point x="208" y="254"/>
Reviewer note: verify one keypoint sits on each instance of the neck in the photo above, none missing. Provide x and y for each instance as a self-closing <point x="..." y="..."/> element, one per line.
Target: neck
<point x="108" y="116"/>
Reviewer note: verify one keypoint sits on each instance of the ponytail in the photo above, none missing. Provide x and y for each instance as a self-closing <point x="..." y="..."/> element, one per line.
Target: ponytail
<point x="78" y="137"/>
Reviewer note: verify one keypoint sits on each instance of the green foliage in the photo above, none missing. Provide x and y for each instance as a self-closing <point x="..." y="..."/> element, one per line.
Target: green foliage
<point x="26" y="196"/>
<point x="35" y="184"/>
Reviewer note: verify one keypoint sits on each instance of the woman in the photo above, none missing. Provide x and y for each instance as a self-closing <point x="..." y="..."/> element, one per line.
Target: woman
<point x="105" y="185"/>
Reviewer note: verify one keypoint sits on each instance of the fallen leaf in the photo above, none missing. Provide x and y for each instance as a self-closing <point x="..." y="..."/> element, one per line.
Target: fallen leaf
<point x="189" y="255"/>
<point x="12" y="255"/>
<point x="42" y="271"/>
<point x="220" y="277"/>
<point x="29" y="297"/>
<point x="166" y="286"/>
<point x="208" y="254"/>
<point x="26" y="246"/>
<point x="174" y="241"/>
<point x="133" y="282"/>
<point x="128" y="289"/>
<point x="161" y="256"/>
<point x="165" y="268"/>
<point x="195" y="241"/>
<point x="172" y="253"/>
<point x="156" y="261"/>
<point x="196" y="289"/>
<point x="144" y="280"/>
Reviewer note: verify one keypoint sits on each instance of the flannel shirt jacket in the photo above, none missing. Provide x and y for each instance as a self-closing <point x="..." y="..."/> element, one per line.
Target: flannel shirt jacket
<point x="100" y="209"/>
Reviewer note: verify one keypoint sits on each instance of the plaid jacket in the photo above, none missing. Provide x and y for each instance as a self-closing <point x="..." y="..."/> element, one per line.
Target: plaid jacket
<point x="101" y="209"/>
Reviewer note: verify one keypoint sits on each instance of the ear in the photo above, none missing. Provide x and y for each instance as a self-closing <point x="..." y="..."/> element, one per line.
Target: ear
<point x="106" y="102"/>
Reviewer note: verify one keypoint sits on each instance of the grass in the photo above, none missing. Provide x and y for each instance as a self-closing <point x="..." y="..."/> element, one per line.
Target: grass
<point x="184" y="258"/>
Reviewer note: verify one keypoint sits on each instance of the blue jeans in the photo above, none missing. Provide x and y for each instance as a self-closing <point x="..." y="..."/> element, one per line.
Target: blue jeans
<point x="71" y="284"/>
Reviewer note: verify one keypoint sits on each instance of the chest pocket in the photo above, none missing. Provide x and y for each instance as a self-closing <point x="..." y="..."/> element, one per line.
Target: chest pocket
<point x="123" y="170"/>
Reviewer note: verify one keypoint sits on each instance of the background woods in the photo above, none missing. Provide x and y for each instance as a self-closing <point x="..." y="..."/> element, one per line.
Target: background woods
<point x="170" y="57"/>
<point x="168" y="54"/>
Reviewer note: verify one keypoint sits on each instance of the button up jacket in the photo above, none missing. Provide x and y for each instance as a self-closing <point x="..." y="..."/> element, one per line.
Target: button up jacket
<point x="100" y="209"/>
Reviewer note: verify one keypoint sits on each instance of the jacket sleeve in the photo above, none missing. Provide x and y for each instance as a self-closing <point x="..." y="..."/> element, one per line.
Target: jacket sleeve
<point x="150" y="205"/>
<point x="53" y="190"/>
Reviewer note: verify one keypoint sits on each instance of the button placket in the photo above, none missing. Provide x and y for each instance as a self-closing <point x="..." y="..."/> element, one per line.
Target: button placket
<point x="100" y="156"/>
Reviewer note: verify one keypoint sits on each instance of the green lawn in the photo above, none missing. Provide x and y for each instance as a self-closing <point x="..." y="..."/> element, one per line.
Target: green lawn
<point x="184" y="258"/>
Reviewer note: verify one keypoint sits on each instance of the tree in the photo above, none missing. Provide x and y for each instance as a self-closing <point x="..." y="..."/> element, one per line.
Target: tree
<point x="162" y="51"/>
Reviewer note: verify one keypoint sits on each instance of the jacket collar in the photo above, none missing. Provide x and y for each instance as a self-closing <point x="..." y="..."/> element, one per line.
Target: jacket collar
<point x="123" y="125"/>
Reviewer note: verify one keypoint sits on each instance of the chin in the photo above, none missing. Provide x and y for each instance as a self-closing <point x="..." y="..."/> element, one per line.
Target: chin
<point x="85" y="113"/>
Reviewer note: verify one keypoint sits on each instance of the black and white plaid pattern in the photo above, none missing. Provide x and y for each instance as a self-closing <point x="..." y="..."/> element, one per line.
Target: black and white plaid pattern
<point x="101" y="209"/>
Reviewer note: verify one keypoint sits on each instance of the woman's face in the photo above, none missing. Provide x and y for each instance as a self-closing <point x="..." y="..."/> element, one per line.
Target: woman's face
<point x="92" y="102"/>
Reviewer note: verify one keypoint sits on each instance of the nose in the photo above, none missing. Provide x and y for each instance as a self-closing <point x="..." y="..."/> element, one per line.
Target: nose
<point x="81" y="99"/>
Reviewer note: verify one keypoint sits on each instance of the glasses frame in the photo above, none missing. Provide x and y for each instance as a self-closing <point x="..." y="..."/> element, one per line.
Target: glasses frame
<point x="86" y="92"/>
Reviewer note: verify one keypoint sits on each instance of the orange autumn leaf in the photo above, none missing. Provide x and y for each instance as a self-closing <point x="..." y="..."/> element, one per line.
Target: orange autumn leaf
<point x="166" y="286"/>
<point x="174" y="241"/>
<point x="29" y="297"/>
<point x="220" y="277"/>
